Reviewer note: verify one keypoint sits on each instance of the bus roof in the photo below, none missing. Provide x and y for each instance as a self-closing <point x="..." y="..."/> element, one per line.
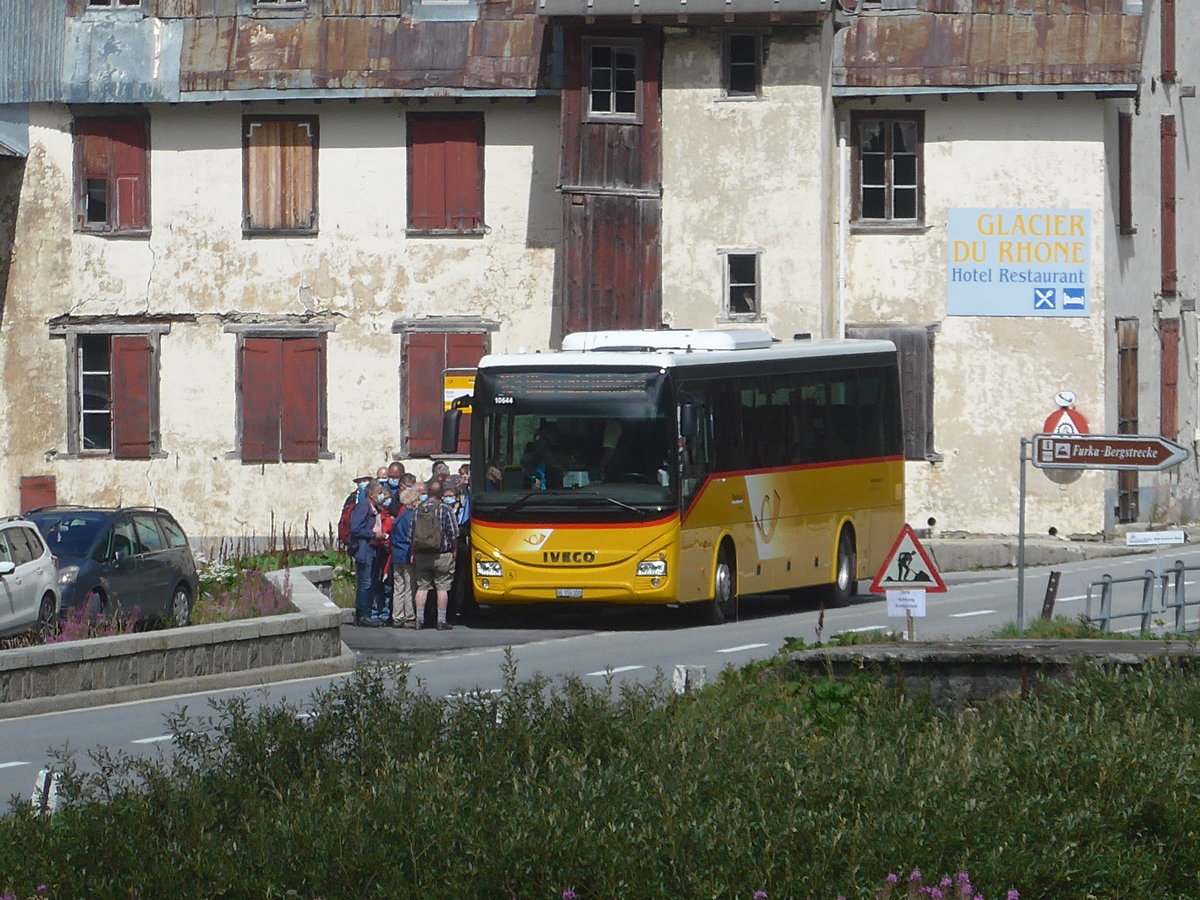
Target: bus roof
<point x="660" y="349"/>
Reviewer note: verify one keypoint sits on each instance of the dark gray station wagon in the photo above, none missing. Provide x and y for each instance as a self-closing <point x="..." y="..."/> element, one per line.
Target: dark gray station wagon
<point x="130" y="560"/>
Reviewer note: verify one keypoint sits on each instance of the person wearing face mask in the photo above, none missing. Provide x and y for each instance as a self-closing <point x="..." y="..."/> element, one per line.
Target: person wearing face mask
<point x="381" y="575"/>
<point x="395" y="476"/>
<point x="365" y="534"/>
<point x="435" y="567"/>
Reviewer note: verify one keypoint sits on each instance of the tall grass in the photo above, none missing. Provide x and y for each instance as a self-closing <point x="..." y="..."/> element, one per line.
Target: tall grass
<point x="792" y="789"/>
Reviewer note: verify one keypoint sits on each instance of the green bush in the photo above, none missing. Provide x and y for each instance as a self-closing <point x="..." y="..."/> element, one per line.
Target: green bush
<point x="787" y="788"/>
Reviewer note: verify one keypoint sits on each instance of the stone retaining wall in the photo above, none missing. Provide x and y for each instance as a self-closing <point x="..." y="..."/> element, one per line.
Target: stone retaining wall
<point x="970" y="673"/>
<point x="97" y="671"/>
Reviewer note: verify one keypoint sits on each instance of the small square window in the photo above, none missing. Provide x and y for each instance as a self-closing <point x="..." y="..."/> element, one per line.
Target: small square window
<point x="743" y="65"/>
<point x="741" y="286"/>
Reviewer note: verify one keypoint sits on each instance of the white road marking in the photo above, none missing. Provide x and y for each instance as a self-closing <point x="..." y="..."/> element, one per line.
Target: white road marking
<point x="10" y="765"/>
<point x="967" y="615"/>
<point x="154" y="740"/>
<point x="741" y="648"/>
<point x="1069" y="599"/>
<point x="616" y="670"/>
<point x="864" y="628"/>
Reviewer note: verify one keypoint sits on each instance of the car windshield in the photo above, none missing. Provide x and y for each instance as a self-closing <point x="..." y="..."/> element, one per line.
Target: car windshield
<point x="69" y="532"/>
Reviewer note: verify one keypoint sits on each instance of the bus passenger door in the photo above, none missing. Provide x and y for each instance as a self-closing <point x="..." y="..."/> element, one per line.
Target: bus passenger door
<point x="696" y="534"/>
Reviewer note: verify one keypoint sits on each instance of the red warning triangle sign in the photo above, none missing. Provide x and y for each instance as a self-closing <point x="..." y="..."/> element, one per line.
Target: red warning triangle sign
<point x="908" y="566"/>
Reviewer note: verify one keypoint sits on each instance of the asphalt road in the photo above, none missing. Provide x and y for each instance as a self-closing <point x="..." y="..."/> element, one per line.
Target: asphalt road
<point x="616" y="644"/>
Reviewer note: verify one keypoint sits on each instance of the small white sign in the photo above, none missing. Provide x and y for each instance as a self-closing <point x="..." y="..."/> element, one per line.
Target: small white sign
<point x="1154" y="538"/>
<point x="906" y="602"/>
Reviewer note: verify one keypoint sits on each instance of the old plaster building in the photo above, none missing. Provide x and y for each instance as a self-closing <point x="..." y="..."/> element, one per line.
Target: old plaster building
<point x="242" y="239"/>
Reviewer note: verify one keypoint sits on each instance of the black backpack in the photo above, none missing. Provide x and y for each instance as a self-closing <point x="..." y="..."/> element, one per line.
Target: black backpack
<point x="427" y="530"/>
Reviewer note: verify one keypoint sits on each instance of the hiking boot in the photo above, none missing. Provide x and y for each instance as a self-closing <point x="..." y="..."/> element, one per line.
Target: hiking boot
<point x="444" y="626"/>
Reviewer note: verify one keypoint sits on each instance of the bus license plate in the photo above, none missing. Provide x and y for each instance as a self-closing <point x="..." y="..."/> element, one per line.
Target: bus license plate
<point x="569" y="593"/>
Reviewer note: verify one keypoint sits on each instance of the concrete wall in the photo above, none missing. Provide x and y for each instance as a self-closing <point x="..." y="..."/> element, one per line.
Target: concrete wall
<point x="360" y="273"/>
<point x="995" y="377"/>
<point x="748" y="175"/>
<point x="1135" y="268"/>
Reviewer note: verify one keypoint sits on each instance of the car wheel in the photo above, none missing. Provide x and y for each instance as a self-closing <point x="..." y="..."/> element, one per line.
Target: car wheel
<point x="181" y="605"/>
<point x="47" y="620"/>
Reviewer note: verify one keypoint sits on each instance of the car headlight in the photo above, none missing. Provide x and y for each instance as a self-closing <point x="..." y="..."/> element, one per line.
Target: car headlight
<point x="68" y="574"/>
<point x="650" y="567"/>
<point x="488" y="568"/>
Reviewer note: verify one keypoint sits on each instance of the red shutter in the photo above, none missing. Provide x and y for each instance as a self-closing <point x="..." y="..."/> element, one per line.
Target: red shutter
<point x="445" y="173"/>
<point x="1125" y="173"/>
<point x="463" y="351"/>
<point x="425" y="359"/>
<point x="131" y="395"/>
<point x="262" y="365"/>
<point x="301" y="394"/>
<point x="129" y="174"/>
<point x="464" y="170"/>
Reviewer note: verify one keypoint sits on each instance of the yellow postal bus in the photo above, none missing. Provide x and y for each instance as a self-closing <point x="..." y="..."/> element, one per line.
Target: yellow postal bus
<point x="683" y="467"/>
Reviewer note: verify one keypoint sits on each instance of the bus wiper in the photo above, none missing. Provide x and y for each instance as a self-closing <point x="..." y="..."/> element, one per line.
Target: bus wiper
<point x="519" y="502"/>
<point x="635" y="509"/>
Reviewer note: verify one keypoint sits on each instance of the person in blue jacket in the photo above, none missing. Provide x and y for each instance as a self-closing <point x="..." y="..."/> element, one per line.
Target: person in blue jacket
<point x="366" y="536"/>
<point x="404" y="614"/>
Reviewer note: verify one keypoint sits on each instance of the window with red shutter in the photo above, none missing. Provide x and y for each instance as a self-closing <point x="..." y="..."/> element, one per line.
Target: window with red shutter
<point x="445" y="173"/>
<point x="282" y="387"/>
<point x="426" y="356"/>
<point x="111" y="175"/>
<point x="112" y="402"/>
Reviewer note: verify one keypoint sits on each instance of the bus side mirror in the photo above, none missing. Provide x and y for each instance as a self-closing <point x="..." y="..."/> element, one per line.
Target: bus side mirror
<point x="450" y="420"/>
<point x="689" y="422"/>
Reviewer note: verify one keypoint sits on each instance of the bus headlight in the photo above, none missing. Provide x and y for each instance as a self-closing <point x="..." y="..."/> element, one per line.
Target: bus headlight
<point x="650" y="567"/>
<point x="488" y="567"/>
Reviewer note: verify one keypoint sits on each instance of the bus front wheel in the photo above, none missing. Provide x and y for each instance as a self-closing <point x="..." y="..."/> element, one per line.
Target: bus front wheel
<point x="845" y="575"/>
<point x="724" y="603"/>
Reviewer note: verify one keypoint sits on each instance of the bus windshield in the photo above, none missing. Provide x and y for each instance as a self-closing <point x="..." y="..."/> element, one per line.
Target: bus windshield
<point x="574" y="440"/>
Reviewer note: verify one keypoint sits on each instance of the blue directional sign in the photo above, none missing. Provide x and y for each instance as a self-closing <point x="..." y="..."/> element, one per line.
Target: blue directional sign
<point x="1018" y="262"/>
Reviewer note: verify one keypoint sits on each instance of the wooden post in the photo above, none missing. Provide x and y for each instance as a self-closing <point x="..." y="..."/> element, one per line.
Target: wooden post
<point x="1051" y="596"/>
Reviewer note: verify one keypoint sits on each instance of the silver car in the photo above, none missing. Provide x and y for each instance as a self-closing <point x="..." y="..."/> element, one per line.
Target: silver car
<point x="29" y="597"/>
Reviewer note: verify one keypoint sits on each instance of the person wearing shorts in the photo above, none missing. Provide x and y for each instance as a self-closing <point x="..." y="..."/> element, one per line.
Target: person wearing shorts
<point x="435" y="571"/>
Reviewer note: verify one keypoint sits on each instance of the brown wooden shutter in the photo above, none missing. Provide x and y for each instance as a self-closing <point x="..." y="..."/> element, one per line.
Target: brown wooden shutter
<point x="463" y="351"/>
<point x="425" y="359"/>
<point x="262" y="364"/>
<point x="1170" y="277"/>
<point x="132" y="386"/>
<point x="445" y="173"/>
<point x="1167" y="50"/>
<point x="1169" y="377"/>
<point x="300" y="389"/>
<point x="280" y="174"/>
<point x="1125" y="173"/>
<point x="129" y="174"/>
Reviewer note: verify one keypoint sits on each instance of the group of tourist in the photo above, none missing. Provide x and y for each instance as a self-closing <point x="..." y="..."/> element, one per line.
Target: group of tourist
<point x="405" y="537"/>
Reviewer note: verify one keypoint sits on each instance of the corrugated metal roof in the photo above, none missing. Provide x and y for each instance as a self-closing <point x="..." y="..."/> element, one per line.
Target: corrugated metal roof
<point x="31" y="47"/>
<point x="627" y="8"/>
<point x="963" y="44"/>
<point x="190" y="52"/>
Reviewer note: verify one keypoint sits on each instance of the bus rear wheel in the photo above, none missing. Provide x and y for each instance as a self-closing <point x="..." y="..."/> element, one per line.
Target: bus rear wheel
<point x="724" y="603"/>
<point x="845" y="579"/>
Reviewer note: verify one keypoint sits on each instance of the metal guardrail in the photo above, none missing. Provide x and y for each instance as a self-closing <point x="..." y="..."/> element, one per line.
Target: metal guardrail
<point x="1162" y="593"/>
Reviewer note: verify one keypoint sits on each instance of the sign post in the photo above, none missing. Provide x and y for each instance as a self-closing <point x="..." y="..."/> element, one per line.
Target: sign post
<point x="1120" y="452"/>
<point x="906" y="575"/>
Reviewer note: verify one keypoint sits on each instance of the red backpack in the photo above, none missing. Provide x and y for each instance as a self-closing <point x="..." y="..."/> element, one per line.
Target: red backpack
<point x="344" y="522"/>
